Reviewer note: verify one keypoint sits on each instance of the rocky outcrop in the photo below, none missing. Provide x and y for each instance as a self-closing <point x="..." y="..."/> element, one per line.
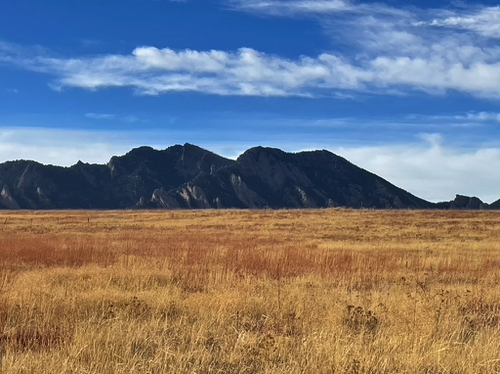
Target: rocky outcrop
<point x="7" y="200"/>
<point x="462" y="202"/>
<point x="271" y="178"/>
<point x="161" y="199"/>
<point x="465" y="202"/>
<point x="142" y="171"/>
<point x="244" y="194"/>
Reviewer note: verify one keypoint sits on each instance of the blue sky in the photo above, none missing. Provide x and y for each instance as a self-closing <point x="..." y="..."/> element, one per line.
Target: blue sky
<point x="409" y="90"/>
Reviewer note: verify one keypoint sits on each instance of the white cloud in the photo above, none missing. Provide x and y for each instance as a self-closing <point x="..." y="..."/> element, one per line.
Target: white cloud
<point x="392" y="51"/>
<point x="152" y="71"/>
<point x="484" y="21"/>
<point x="403" y="49"/>
<point x="431" y="170"/>
<point x="312" y="7"/>
<point x="247" y="72"/>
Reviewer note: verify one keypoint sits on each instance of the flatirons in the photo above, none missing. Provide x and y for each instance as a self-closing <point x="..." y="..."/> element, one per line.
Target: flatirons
<point x="189" y="177"/>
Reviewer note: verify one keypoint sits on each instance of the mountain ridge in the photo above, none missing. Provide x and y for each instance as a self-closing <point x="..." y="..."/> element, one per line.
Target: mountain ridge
<point x="190" y="177"/>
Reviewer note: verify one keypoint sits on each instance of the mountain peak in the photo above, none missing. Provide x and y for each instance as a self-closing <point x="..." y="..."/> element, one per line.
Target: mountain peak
<point x="188" y="176"/>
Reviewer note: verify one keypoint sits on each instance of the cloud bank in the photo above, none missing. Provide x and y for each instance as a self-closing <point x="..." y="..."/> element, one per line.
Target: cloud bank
<point x="391" y="50"/>
<point x="431" y="170"/>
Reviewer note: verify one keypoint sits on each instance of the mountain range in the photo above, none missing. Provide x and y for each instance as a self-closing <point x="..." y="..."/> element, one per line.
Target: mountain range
<point x="189" y="177"/>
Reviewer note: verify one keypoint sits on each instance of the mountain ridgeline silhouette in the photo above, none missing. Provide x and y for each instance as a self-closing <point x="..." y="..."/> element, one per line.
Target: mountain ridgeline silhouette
<point x="189" y="177"/>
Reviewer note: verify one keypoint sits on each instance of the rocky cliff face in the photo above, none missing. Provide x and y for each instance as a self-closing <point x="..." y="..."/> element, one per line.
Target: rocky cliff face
<point x="144" y="170"/>
<point x="189" y="177"/>
<point x="31" y="185"/>
<point x="271" y="178"/>
<point x="118" y="185"/>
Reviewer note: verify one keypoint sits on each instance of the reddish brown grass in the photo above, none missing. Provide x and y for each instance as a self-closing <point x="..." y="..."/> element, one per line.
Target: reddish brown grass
<point x="250" y="292"/>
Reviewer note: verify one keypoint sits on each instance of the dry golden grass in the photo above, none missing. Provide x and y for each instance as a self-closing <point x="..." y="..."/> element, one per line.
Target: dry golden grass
<point x="330" y="291"/>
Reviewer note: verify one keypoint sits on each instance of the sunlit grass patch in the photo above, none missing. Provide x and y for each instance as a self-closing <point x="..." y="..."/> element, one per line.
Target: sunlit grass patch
<point x="330" y="291"/>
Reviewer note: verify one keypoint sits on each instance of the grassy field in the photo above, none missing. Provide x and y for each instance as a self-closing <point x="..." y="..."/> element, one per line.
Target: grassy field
<point x="330" y="291"/>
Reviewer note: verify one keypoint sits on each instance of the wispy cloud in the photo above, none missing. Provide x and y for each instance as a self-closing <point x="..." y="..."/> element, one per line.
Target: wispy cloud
<point x="480" y="116"/>
<point x="12" y="91"/>
<point x="152" y="71"/>
<point x="389" y="51"/>
<point x="481" y="20"/>
<point x="247" y="72"/>
<point x="88" y="43"/>
<point x="405" y="49"/>
<point x="113" y="117"/>
<point x="313" y="7"/>
<point x="473" y="118"/>
<point x="100" y="116"/>
<point x="285" y="8"/>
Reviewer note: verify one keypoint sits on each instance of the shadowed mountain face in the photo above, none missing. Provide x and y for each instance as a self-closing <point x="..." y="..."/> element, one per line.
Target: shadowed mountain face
<point x="118" y="185"/>
<point x="270" y="178"/>
<point x="193" y="178"/>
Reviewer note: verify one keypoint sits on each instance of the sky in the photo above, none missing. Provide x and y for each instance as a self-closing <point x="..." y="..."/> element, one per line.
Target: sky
<point x="409" y="90"/>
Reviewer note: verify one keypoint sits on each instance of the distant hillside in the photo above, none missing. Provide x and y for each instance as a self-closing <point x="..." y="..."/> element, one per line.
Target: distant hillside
<point x="189" y="177"/>
<point x="118" y="185"/>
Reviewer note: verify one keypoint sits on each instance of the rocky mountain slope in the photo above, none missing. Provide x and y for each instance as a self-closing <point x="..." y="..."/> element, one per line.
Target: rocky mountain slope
<point x="193" y="178"/>
<point x="118" y="185"/>
<point x="271" y="178"/>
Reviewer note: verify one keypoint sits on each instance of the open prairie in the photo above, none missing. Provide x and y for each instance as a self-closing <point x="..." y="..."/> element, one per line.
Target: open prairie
<point x="330" y="291"/>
